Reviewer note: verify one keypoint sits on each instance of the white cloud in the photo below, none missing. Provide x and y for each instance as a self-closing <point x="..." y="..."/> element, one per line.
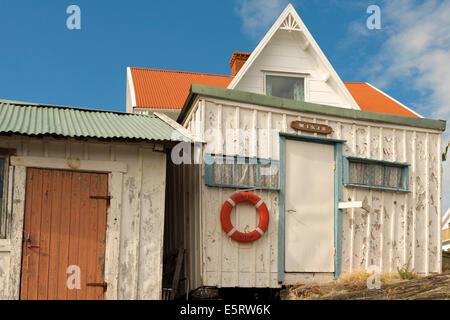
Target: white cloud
<point x="258" y="15"/>
<point x="416" y="55"/>
<point x="417" y="50"/>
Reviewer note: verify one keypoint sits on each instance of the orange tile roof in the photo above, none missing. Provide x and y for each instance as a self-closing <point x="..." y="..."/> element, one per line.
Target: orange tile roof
<point x="370" y="98"/>
<point x="164" y="89"/>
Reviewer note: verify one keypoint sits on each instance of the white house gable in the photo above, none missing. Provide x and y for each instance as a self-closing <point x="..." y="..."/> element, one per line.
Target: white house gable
<point x="288" y="52"/>
<point x="131" y="94"/>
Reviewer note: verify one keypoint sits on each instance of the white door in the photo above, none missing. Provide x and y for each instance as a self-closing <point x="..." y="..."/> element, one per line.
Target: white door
<point x="309" y="204"/>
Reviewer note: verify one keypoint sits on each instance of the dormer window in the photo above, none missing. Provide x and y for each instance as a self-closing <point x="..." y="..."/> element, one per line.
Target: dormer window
<point x="289" y="87"/>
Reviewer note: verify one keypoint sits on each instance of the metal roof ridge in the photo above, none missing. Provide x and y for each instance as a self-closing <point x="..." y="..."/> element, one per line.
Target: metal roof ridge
<point x="185" y="72"/>
<point x="42" y="105"/>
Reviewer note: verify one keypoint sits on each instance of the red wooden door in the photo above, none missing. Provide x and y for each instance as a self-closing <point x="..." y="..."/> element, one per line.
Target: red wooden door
<point x="64" y="235"/>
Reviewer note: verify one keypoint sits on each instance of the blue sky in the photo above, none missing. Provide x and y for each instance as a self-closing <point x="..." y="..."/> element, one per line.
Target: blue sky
<point x="43" y="61"/>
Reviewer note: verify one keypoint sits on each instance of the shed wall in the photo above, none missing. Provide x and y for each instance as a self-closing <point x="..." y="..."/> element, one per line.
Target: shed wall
<point x="399" y="226"/>
<point x="138" y="206"/>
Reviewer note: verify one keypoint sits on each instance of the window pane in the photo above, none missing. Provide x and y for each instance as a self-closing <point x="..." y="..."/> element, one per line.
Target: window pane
<point x="394" y="177"/>
<point x="222" y="170"/>
<point x="246" y="173"/>
<point x="268" y="174"/>
<point x="216" y="173"/>
<point x="376" y="175"/>
<point x="358" y="173"/>
<point x="286" y="87"/>
<point x="234" y="172"/>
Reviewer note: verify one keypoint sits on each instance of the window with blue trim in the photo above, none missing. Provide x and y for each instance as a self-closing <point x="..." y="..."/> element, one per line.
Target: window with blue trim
<point x="243" y="173"/>
<point x="375" y="174"/>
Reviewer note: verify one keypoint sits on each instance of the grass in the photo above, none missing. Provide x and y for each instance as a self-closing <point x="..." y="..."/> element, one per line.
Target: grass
<point x="347" y="282"/>
<point x="405" y="273"/>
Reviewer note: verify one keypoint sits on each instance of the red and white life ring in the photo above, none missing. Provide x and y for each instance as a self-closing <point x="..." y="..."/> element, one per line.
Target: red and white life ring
<point x="228" y="227"/>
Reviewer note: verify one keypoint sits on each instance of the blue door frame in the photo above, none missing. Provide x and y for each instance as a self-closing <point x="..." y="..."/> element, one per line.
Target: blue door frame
<point x="338" y="184"/>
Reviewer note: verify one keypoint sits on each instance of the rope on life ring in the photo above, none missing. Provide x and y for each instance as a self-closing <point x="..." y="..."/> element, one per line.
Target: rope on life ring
<point x="228" y="227"/>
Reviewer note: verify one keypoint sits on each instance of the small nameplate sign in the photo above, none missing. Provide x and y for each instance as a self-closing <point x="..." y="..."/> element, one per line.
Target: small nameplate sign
<point x="311" y="127"/>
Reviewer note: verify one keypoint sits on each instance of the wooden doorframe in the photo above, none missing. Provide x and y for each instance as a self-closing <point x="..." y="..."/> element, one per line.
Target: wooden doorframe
<point x="338" y="185"/>
<point x="115" y="171"/>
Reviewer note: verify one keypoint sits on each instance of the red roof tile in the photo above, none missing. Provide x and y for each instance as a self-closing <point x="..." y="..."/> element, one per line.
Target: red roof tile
<point x="370" y="98"/>
<point x="163" y="89"/>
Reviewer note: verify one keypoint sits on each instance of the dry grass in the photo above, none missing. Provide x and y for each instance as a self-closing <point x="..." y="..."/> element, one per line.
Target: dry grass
<point x="347" y="282"/>
<point x="362" y="275"/>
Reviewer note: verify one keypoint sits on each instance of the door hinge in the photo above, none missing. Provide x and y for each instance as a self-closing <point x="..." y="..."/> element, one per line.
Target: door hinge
<point x="334" y="165"/>
<point x="30" y="245"/>
<point x="104" y="285"/>
<point x="107" y="198"/>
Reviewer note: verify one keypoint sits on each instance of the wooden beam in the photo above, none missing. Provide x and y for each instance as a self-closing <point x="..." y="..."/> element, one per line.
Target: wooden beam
<point x="70" y="164"/>
<point x="176" y="276"/>
<point x="355" y="204"/>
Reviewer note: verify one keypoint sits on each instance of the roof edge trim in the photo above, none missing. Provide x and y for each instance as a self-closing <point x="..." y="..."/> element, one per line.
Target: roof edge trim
<point x="43" y="105"/>
<point x="259" y="99"/>
<point x="132" y="91"/>
<point x="395" y="100"/>
<point x="318" y="51"/>
<point x="176" y="126"/>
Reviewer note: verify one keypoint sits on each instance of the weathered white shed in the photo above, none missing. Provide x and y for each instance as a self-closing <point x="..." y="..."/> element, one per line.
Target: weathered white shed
<point x="62" y="167"/>
<point x="386" y="223"/>
<point x="346" y="189"/>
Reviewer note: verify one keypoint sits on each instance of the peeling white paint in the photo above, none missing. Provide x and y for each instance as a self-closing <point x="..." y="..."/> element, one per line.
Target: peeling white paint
<point x="399" y="226"/>
<point x="133" y="262"/>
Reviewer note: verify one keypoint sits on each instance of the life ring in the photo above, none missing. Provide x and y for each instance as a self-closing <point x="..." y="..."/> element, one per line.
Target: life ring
<point x="228" y="227"/>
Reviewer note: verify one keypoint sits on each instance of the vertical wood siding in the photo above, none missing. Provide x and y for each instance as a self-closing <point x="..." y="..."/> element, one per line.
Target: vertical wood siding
<point x="67" y="227"/>
<point x="399" y="226"/>
<point x="141" y="211"/>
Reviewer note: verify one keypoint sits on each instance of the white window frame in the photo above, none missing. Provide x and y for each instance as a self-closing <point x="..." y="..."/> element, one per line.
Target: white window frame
<point x="304" y="75"/>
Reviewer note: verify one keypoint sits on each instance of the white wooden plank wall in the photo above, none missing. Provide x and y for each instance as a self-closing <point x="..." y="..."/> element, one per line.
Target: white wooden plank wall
<point x="399" y="225"/>
<point x="142" y="208"/>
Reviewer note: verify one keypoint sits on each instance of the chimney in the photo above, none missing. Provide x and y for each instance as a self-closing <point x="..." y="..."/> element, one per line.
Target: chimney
<point x="237" y="61"/>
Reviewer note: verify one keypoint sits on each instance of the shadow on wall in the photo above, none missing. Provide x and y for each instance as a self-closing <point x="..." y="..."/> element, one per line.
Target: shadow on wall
<point x="446" y="261"/>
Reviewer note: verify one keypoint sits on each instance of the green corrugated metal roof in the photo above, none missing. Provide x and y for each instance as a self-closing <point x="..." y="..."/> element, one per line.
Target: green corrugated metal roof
<point x="38" y="120"/>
